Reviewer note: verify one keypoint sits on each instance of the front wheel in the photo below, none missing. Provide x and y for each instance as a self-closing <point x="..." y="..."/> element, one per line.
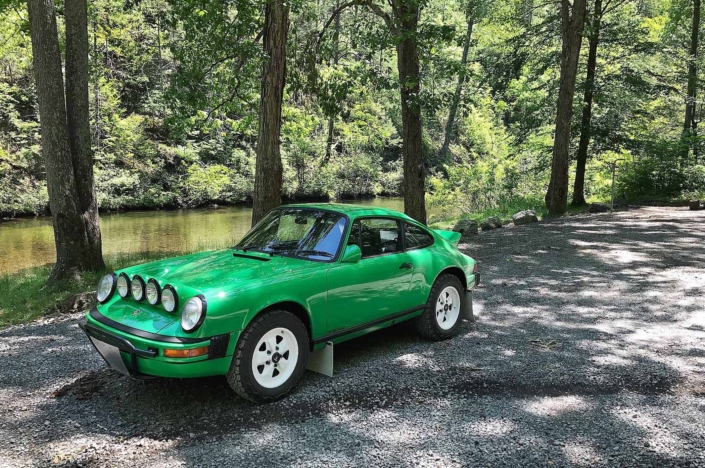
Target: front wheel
<point x="443" y="313"/>
<point x="270" y="357"/>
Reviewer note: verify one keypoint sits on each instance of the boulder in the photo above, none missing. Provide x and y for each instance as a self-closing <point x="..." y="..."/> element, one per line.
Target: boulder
<point x="525" y="217"/>
<point x="695" y="205"/>
<point x="466" y="227"/>
<point x="599" y="208"/>
<point x="492" y="222"/>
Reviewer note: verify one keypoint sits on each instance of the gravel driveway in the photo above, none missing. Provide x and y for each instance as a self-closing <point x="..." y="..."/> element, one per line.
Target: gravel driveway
<point x="589" y="350"/>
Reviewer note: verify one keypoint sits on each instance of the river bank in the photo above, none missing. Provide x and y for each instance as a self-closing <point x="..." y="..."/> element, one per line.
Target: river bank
<point x="137" y="237"/>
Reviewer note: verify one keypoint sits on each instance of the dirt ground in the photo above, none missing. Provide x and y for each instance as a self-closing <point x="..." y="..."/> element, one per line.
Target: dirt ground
<point x="588" y="350"/>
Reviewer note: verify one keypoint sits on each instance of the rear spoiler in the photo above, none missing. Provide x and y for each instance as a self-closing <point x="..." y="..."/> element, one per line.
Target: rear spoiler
<point x="451" y="236"/>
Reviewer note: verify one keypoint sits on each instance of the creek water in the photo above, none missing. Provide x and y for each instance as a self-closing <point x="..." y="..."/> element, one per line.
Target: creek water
<point x="26" y="243"/>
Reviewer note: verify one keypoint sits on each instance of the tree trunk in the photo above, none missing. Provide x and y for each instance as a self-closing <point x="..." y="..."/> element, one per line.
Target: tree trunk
<point x="689" y="124"/>
<point x="572" y="23"/>
<point x="458" y="89"/>
<point x="268" y="172"/>
<point x="79" y="126"/>
<point x="585" y="123"/>
<point x="336" y="58"/>
<point x="409" y="83"/>
<point x="70" y="234"/>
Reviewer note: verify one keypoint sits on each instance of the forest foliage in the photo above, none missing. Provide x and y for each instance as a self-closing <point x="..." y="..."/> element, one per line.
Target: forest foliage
<point x="174" y="93"/>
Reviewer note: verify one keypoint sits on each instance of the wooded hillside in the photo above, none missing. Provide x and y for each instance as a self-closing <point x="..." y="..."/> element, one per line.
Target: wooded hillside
<point x="174" y="92"/>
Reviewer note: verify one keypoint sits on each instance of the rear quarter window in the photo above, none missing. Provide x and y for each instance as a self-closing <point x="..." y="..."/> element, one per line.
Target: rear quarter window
<point x="416" y="237"/>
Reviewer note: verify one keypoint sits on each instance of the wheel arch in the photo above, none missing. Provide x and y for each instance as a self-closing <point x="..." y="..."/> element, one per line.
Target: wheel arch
<point x="457" y="272"/>
<point x="295" y="308"/>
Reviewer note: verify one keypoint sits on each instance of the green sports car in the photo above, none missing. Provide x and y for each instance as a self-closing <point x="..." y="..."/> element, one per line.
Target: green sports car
<point x="304" y="278"/>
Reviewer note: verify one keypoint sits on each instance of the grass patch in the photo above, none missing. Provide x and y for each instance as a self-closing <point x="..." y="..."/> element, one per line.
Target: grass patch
<point x="24" y="296"/>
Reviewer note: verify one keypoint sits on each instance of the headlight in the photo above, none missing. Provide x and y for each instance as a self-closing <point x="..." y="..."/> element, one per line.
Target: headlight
<point x="193" y="314"/>
<point x="137" y="288"/>
<point x="123" y="285"/>
<point x="106" y="288"/>
<point x="153" y="292"/>
<point x="169" y="298"/>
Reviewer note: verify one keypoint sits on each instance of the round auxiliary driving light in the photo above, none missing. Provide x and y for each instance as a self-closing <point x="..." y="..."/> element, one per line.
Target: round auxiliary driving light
<point x="153" y="292"/>
<point x="169" y="298"/>
<point x="106" y="288"/>
<point x="137" y="288"/>
<point x="123" y="285"/>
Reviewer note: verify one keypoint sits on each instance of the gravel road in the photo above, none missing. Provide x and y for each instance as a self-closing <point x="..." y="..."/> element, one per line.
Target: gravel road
<point x="589" y="350"/>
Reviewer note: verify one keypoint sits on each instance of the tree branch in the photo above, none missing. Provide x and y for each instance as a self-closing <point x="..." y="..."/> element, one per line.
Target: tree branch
<point x="377" y="10"/>
<point x="332" y="17"/>
<point x="228" y="57"/>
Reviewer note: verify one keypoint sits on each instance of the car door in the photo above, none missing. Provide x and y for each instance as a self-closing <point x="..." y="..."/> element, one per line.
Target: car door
<point x="376" y="286"/>
<point x="417" y="243"/>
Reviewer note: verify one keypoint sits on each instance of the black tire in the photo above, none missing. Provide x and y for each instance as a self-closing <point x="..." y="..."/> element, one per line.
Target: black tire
<point x="427" y="324"/>
<point x="241" y="377"/>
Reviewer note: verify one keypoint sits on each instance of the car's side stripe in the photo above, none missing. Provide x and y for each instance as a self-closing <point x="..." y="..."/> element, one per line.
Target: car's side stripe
<point x="367" y="325"/>
<point x="97" y="316"/>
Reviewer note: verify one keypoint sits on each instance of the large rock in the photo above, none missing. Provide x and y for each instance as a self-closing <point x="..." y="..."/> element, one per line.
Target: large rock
<point x="492" y="222"/>
<point x="525" y="217"/>
<point x="466" y="227"/>
<point x="599" y="208"/>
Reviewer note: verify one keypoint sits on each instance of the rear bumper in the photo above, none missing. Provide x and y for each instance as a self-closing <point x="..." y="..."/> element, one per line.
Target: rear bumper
<point x="143" y="358"/>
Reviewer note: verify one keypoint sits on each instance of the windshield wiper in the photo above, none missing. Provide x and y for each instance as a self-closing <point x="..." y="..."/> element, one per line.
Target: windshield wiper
<point x="320" y="253"/>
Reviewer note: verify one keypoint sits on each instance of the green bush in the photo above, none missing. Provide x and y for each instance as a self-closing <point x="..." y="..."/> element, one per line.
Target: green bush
<point x="656" y="178"/>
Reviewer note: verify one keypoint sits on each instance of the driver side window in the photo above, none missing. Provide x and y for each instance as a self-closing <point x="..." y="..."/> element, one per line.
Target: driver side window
<point x="376" y="236"/>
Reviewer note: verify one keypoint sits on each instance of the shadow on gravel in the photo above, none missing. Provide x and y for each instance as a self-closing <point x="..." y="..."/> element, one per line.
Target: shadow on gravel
<point x="577" y="316"/>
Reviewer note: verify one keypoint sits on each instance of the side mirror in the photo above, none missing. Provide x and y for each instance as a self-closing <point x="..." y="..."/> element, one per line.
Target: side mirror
<point x="352" y="254"/>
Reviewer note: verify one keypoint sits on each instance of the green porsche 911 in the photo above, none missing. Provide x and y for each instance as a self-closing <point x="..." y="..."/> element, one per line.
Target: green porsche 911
<point x="304" y="278"/>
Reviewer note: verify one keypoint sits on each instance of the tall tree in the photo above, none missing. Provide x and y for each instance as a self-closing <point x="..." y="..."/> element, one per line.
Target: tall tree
<point x="336" y="59"/>
<point x="79" y="127"/>
<point x="404" y="26"/>
<point x="65" y="135"/>
<point x="594" y="24"/>
<point x="572" y="24"/>
<point x="690" y="124"/>
<point x="268" y="172"/>
<point x="473" y="12"/>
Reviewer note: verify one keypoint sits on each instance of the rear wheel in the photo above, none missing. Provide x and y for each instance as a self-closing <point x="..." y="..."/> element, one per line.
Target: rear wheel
<point x="270" y="357"/>
<point x="444" y="308"/>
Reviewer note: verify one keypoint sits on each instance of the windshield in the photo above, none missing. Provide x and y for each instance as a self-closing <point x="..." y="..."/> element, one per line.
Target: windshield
<point x="296" y="232"/>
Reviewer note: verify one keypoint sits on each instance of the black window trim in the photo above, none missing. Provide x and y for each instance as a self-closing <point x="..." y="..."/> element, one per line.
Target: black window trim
<point x="424" y="229"/>
<point x="400" y="224"/>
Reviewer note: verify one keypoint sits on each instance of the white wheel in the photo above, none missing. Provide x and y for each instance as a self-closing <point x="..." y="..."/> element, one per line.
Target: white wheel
<point x="275" y="357"/>
<point x="448" y="308"/>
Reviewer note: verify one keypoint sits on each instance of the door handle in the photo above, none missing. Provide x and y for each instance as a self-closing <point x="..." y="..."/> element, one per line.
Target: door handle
<point x="406" y="266"/>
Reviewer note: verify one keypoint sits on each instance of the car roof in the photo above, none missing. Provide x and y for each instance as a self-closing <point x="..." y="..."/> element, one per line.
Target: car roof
<point x="351" y="210"/>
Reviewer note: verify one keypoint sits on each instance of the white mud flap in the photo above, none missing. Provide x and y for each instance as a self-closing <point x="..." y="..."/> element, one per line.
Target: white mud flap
<point x="321" y="361"/>
<point x="467" y="310"/>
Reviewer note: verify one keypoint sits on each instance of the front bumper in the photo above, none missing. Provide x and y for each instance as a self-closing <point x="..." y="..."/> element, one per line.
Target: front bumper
<point x="143" y="358"/>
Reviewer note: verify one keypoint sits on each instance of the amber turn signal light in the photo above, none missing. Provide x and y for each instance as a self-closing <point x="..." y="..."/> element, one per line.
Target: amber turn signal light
<point x="184" y="353"/>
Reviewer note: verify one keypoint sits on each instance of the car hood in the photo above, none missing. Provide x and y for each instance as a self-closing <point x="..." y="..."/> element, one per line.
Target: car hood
<point x="224" y="268"/>
<point x="207" y="273"/>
